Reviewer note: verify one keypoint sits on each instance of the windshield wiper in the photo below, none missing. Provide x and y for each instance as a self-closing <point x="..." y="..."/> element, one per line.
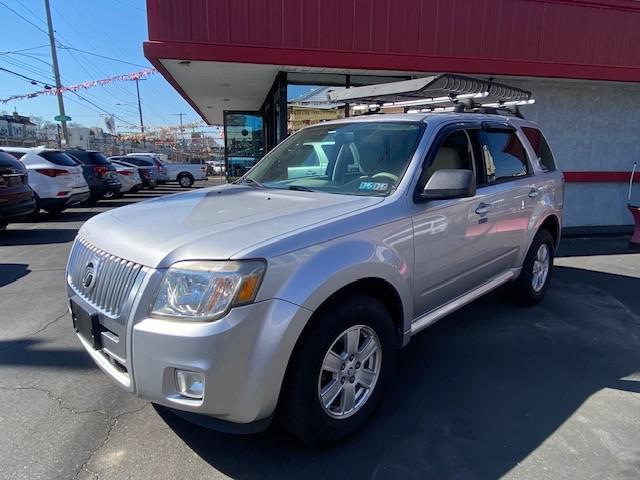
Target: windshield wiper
<point x="251" y="181"/>
<point x="300" y="188"/>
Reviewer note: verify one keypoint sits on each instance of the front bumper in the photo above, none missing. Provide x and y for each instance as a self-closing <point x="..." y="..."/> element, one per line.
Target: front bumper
<point x="242" y="356"/>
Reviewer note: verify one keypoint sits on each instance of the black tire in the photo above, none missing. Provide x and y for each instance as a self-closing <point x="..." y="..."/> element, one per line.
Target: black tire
<point x="3" y="225"/>
<point x="521" y="290"/>
<point x="54" y="211"/>
<point x="302" y="411"/>
<point x="185" y="180"/>
<point x="109" y="195"/>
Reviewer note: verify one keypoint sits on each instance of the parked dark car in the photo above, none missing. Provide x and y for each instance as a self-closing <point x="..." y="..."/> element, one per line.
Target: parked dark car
<point x="16" y="197"/>
<point x="98" y="172"/>
<point x="147" y="169"/>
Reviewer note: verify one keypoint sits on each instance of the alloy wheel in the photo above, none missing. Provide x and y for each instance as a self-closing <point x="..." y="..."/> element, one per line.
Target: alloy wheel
<point x="350" y="370"/>
<point x="540" y="268"/>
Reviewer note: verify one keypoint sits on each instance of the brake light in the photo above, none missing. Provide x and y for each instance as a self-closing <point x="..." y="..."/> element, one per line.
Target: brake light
<point x="52" y="172"/>
<point x="100" y="170"/>
<point x="124" y="172"/>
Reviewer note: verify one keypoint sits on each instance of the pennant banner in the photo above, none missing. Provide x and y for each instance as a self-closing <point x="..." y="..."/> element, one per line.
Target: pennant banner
<point x="127" y="77"/>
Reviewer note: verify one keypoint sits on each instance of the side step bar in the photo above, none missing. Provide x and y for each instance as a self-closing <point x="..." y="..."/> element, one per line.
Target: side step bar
<point x="432" y="317"/>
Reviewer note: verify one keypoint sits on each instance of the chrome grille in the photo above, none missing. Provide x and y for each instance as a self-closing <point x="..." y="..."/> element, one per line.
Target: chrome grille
<point x="112" y="281"/>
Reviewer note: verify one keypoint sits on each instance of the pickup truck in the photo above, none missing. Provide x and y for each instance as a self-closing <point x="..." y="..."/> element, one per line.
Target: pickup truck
<point x="184" y="173"/>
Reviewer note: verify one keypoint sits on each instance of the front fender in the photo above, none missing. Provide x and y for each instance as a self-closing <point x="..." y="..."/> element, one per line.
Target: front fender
<point x="310" y="276"/>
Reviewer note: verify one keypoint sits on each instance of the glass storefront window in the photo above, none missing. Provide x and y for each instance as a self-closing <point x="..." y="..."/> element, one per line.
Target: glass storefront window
<point x="244" y="142"/>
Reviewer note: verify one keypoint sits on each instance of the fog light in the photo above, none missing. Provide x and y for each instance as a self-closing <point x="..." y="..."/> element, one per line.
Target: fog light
<point x="190" y="384"/>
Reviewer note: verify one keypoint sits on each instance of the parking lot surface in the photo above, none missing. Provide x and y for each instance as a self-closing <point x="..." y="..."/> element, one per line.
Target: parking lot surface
<point x="492" y="391"/>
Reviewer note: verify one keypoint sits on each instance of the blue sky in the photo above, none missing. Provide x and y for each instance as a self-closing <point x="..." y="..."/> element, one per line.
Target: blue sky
<point x="113" y="28"/>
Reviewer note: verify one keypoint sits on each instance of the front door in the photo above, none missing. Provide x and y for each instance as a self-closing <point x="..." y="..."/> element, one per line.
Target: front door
<point x="453" y="239"/>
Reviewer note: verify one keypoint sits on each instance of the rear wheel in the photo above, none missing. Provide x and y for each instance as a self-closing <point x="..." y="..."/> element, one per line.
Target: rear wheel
<point x="185" y="180"/>
<point x="530" y="287"/>
<point x="54" y="210"/>
<point x="339" y="371"/>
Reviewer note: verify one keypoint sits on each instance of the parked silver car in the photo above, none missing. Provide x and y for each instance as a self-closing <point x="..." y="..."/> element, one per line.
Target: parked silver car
<point x="297" y="291"/>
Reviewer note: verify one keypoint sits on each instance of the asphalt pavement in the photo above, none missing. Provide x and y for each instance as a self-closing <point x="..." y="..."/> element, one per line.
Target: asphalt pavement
<point x="494" y="390"/>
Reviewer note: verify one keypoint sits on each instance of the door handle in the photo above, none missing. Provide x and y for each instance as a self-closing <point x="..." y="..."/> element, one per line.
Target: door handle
<point x="483" y="208"/>
<point x="534" y="193"/>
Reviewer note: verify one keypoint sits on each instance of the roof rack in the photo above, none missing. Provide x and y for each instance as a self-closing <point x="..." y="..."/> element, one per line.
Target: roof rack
<point x="444" y="92"/>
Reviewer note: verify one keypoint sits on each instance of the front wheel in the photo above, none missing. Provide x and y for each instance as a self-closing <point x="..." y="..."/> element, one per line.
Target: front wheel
<point x="339" y="371"/>
<point x="530" y="287"/>
<point x="185" y="181"/>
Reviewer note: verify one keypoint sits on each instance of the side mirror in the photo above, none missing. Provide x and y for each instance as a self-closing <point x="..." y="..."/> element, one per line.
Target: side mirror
<point x="446" y="184"/>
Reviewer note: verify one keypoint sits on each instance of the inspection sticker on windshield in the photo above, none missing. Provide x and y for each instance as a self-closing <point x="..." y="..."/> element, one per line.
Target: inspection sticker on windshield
<point x="374" y="186"/>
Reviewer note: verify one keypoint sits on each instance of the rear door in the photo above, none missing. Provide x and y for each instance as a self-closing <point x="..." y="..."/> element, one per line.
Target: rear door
<point x="509" y="189"/>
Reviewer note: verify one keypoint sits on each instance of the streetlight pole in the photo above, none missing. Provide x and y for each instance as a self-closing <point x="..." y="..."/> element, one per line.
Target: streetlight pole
<point x="56" y="73"/>
<point x="144" y="142"/>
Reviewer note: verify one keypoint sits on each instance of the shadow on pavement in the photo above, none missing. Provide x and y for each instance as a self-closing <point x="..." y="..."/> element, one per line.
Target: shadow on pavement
<point x="473" y="395"/>
<point x="37" y="236"/>
<point x="10" y="272"/>
<point x="33" y="353"/>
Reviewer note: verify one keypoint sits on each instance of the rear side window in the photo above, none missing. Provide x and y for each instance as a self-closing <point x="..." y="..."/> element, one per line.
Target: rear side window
<point x="541" y="147"/>
<point x="58" y="158"/>
<point x="504" y="156"/>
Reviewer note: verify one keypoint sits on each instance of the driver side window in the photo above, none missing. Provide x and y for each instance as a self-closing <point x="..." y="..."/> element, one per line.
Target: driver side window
<point x="456" y="152"/>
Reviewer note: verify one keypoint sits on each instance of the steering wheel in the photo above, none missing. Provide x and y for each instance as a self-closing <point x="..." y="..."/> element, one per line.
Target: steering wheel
<point x="391" y="176"/>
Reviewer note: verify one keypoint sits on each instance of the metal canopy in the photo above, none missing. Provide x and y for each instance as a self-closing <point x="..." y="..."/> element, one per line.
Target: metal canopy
<point x="443" y="89"/>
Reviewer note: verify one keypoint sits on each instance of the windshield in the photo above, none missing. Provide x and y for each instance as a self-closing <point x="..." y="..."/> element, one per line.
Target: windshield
<point x="351" y="158"/>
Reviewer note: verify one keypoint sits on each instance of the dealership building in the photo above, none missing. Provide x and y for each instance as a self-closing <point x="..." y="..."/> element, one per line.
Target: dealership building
<point x="233" y="60"/>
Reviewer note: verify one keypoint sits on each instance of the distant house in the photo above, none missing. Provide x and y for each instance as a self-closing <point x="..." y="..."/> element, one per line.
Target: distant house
<point x="17" y="130"/>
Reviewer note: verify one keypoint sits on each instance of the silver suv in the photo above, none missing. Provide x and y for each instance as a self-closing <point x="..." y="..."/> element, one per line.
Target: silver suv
<point x="295" y="288"/>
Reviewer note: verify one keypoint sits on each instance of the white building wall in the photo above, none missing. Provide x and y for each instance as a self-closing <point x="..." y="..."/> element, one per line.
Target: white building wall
<point x="79" y="137"/>
<point x="591" y="126"/>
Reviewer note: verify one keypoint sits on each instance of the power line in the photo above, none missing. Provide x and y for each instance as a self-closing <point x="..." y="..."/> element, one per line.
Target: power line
<point x="23" y="18"/>
<point x="103" y="56"/>
<point x="102" y="109"/>
<point x="29" y="79"/>
<point x="22" y="50"/>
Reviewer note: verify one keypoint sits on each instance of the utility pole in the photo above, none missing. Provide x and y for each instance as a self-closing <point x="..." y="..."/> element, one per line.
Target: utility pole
<point x="56" y="73"/>
<point x="144" y="142"/>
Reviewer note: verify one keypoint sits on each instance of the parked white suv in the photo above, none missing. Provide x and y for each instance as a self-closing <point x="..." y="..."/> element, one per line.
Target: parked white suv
<point x="54" y="176"/>
<point x="297" y="291"/>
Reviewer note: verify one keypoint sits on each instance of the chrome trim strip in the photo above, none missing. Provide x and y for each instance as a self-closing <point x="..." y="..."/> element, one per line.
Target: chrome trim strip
<point x="430" y="318"/>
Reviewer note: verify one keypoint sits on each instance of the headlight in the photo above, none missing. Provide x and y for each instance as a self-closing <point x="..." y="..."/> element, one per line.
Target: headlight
<point x="204" y="291"/>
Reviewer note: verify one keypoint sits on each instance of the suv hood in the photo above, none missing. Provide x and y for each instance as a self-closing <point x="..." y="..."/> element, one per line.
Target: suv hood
<point x="213" y="223"/>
